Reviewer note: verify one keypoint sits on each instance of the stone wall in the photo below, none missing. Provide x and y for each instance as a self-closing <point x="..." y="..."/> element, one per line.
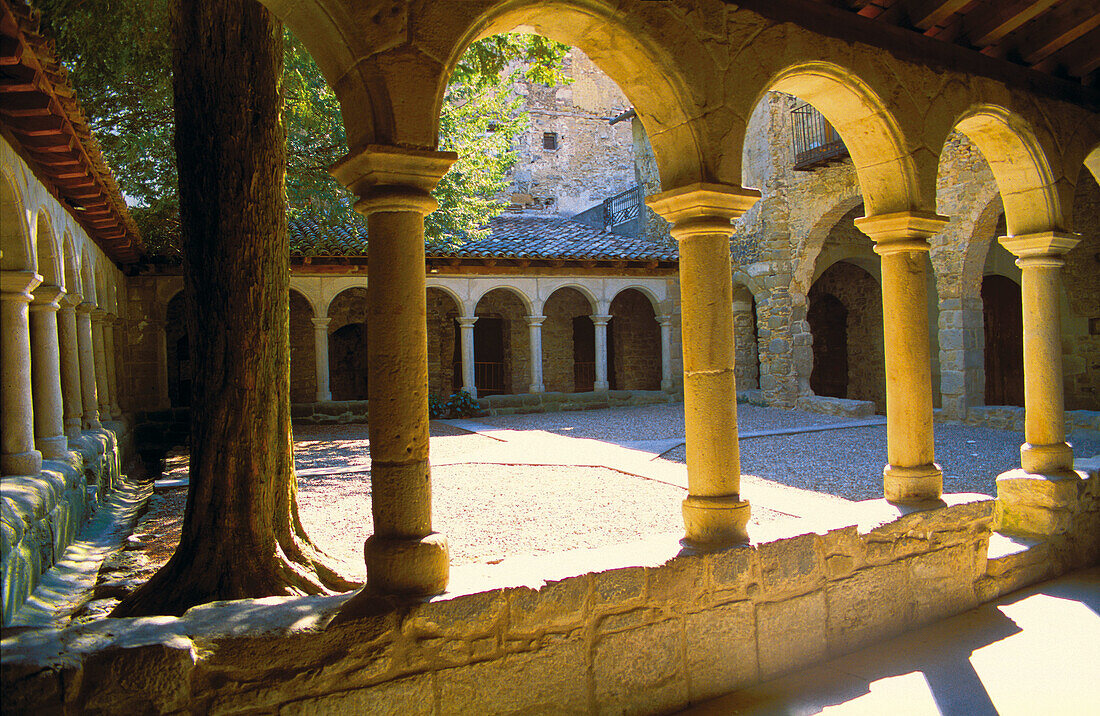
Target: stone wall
<point x="137" y="345"/>
<point x="442" y="313"/>
<point x="502" y="303"/>
<point x="557" y="337"/>
<point x="303" y="362"/>
<point x="1081" y="325"/>
<point x="637" y="339"/>
<point x="746" y="349"/>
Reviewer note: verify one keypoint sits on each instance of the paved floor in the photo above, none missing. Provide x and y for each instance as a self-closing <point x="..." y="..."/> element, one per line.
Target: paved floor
<point x="1035" y="652"/>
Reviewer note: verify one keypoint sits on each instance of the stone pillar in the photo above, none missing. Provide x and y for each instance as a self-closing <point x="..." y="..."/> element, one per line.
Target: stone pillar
<point x="320" y="353"/>
<point x="70" y="364"/>
<point x="103" y="391"/>
<point x="600" y="322"/>
<point x="534" y="328"/>
<point x="89" y="397"/>
<point x="49" y="412"/>
<point x="404" y="555"/>
<point x="18" y="455"/>
<point x="901" y="239"/>
<point x="962" y="341"/>
<point x="466" y="335"/>
<point x="1040" y="259"/>
<point x="111" y="364"/>
<point x="666" y="352"/>
<point x="160" y="339"/>
<point x="714" y="512"/>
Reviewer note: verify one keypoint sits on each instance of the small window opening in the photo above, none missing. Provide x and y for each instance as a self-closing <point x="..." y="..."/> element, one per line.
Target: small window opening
<point x="550" y="140"/>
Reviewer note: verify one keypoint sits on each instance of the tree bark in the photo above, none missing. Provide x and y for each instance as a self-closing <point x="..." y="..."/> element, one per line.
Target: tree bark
<point x="241" y="536"/>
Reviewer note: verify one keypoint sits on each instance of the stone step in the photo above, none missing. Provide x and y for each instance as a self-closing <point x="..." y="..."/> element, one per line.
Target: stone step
<point x="1014" y="562"/>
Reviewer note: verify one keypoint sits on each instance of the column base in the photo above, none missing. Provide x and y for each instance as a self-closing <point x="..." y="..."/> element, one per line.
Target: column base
<point x="666" y="385"/>
<point x="601" y="386"/>
<point x="912" y="484"/>
<point x="54" y="448"/>
<point x="715" y="520"/>
<point x="92" y="422"/>
<point x="72" y="428"/>
<point x="21" y="463"/>
<point x="536" y="388"/>
<point x="1046" y="459"/>
<point x="418" y="567"/>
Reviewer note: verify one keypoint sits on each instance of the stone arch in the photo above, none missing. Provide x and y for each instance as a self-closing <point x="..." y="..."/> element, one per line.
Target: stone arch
<point x="1026" y="179"/>
<point x="568" y="341"/>
<point x="889" y="178"/>
<point x="87" y="275"/>
<point x="71" y="267"/>
<point x="746" y="339"/>
<point x="303" y="362"/>
<point x="589" y="295"/>
<point x="633" y="342"/>
<point x="1081" y="301"/>
<point x="981" y="239"/>
<point x="519" y="293"/>
<point x="47" y="253"/>
<point x="347" y="344"/>
<point x="501" y="312"/>
<point x="635" y="57"/>
<point x="806" y="259"/>
<point x="16" y="251"/>
<point x="444" y="344"/>
<point x="1092" y="163"/>
<point x="645" y="291"/>
<point x="844" y="242"/>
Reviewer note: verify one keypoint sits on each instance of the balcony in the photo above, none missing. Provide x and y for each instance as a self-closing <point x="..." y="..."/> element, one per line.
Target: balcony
<point x="816" y="143"/>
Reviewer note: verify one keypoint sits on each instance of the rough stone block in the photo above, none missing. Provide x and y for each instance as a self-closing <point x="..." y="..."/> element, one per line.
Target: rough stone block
<point x="791" y="566"/>
<point x="681" y="580"/>
<point x="734" y="572"/>
<point x="145" y="679"/>
<point x="467" y="615"/>
<point x="556" y="606"/>
<point x="619" y="587"/>
<point x="410" y="696"/>
<point x="1050" y="491"/>
<point x="873" y="603"/>
<point x="791" y="633"/>
<point x="641" y="671"/>
<point x="721" y="649"/>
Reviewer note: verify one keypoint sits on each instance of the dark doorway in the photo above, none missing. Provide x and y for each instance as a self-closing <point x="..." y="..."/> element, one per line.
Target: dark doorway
<point x="612" y="381"/>
<point x="488" y="355"/>
<point x="181" y="379"/>
<point x="584" y="354"/>
<point x="347" y="359"/>
<point x="1002" y="312"/>
<point x="828" y="319"/>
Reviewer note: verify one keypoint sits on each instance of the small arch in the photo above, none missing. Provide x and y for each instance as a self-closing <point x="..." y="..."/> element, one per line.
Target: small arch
<point x="568" y="341"/>
<point x="806" y="261"/>
<point x="16" y="251"/>
<point x="444" y="341"/>
<point x="1025" y="177"/>
<point x="746" y="338"/>
<point x="48" y="256"/>
<point x="633" y="342"/>
<point x="888" y="177"/>
<point x="303" y="362"/>
<point x="523" y="298"/>
<point x="589" y="294"/>
<point x="501" y="312"/>
<point x="645" y="291"/>
<point x="87" y="275"/>
<point x="71" y="266"/>
<point x="347" y="344"/>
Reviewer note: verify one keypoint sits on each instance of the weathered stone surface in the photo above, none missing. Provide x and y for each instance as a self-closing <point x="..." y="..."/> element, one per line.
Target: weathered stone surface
<point x="619" y="587"/>
<point x="556" y="606"/>
<point x="721" y="649"/>
<point x="145" y="679"/>
<point x="791" y="566"/>
<point x="874" y="603"/>
<point x="791" y="633"/>
<point x="412" y="696"/>
<point x="641" y="670"/>
<point x="836" y="406"/>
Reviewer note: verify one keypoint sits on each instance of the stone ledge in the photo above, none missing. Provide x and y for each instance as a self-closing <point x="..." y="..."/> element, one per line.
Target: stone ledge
<point x="835" y="406"/>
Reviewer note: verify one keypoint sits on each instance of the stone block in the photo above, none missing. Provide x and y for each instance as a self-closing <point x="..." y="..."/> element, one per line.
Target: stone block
<point x="144" y="679"/>
<point x="1050" y="491"/>
<point x="550" y="680"/>
<point x="791" y="566"/>
<point x="734" y="572"/>
<point x="412" y="696"/>
<point x="721" y="649"/>
<point x="1031" y="520"/>
<point x="619" y="587"/>
<point x="465" y="616"/>
<point x="791" y="633"/>
<point x="641" y="671"/>
<point x="681" y="580"/>
<point x="556" y="606"/>
<point x="943" y="581"/>
<point x="874" y="603"/>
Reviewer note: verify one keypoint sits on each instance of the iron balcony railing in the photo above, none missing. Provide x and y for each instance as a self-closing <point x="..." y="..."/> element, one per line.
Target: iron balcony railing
<point x="623" y="207"/>
<point x="816" y="143"/>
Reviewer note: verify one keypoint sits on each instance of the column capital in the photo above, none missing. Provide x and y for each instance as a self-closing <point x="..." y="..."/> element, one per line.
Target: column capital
<point x="702" y="208"/>
<point x="1041" y="245"/>
<point x="387" y="178"/>
<point x="85" y="307"/>
<point x="534" y="320"/>
<point x="46" y="298"/>
<point x="109" y="318"/>
<point x="17" y="285"/>
<point x="664" y="320"/>
<point x="98" y="314"/>
<point x="600" y="320"/>
<point x="467" y="321"/>
<point x="70" y="301"/>
<point x="901" y="230"/>
<point x="321" y="323"/>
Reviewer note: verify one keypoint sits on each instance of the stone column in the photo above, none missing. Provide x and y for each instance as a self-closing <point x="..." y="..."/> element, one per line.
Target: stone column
<point x="404" y="555"/>
<point x="103" y="391"/>
<point x="89" y="392"/>
<point x="466" y="335"/>
<point x="111" y="364"/>
<point x="901" y="239"/>
<point x="18" y="455"/>
<point x="160" y="339"/>
<point x="600" y="322"/>
<point x="714" y="512"/>
<point x="70" y="364"/>
<point x="1040" y="259"/>
<point x="320" y="353"/>
<point x="666" y="352"/>
<point x="534" y="333"/>
<point x="49" y="412"/>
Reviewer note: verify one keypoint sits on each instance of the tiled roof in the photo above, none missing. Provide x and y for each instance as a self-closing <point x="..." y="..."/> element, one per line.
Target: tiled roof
<point x="510" y="237"/>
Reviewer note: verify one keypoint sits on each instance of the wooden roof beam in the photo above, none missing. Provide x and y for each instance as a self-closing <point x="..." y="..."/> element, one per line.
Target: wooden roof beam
<point x="1079" y="58"/>
<point x="1001" y="18"/>
<point x="1055" y="30"/>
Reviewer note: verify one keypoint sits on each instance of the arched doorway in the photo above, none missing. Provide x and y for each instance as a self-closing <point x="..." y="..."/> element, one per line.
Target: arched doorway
<point x="444" y="344"/>
<point x="504" y="348"/>
<point x="568" y="342"/>
<point x="303" y="361"/>
<point x="845" y="317"/>
<point x="634" y="343"/>
<point x="1002" y="313"/>
<point x="746" y="340"/>
<point x="347" y="345"/>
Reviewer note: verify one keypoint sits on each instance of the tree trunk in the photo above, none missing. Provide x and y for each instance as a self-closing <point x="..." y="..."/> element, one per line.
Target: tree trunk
<point x="241" y="534"/>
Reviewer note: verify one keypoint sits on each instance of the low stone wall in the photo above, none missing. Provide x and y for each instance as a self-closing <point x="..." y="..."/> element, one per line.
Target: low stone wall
<point x="41" y="515"/>
<point x="835" y="406"/>
<point x="1011" y="417"/>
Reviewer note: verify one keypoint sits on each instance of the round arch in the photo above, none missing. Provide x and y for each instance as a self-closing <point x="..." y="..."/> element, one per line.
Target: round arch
<point x="1025" y="176"/>
<point x="48" y="256"/>
<point x="87" y="275"/>
<point x="15" y="236"/>
<point x="70" y="265"/>
<point x="981" y="239"/>
<point x="304" y="297"/>
<point x="645" y="291"/>
<point x="888" y="176"/>
<point x="805" y="267"/>
<point x="524" y="299"/>
<point x="589" y="295"/>
<point x="450" y="293"/>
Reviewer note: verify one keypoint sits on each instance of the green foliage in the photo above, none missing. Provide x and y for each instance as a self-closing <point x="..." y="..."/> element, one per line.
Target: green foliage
<point x="459" y="405"/>
<point x="437" y="407"/>
<point x="124" y="80"/>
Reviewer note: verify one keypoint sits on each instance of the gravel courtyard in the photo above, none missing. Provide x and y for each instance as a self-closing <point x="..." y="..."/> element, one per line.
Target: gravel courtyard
<point x="528" y="484"/>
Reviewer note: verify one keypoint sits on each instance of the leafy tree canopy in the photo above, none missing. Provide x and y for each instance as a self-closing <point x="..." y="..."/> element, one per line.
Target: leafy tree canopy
<point x="124" y="81"/>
